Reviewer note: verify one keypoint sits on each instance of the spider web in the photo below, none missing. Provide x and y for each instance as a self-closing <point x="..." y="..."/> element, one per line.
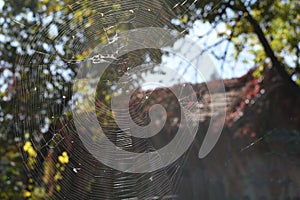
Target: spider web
<point x="52" y="60"/>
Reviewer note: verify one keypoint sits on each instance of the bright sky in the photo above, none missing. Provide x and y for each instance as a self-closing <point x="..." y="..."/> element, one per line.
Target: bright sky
<point x="206" y="64"/>
<point x="1" y="4"/>
<point x="231" y="69"/>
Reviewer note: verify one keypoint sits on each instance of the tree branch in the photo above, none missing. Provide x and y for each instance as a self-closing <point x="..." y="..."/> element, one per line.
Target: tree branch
<point x="267" y="48"/>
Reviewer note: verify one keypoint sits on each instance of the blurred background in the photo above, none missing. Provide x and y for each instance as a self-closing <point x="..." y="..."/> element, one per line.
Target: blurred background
<point x="252" y="46"/>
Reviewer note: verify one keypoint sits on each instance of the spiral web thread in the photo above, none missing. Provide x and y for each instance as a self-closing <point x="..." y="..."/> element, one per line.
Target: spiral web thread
<point x="46" y="95"/>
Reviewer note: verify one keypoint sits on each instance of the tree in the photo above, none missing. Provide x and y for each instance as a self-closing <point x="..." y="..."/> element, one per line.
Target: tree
<point x="38" y="87"/>
<point x="41" y="63"/>
<point x="275" y="24"/>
